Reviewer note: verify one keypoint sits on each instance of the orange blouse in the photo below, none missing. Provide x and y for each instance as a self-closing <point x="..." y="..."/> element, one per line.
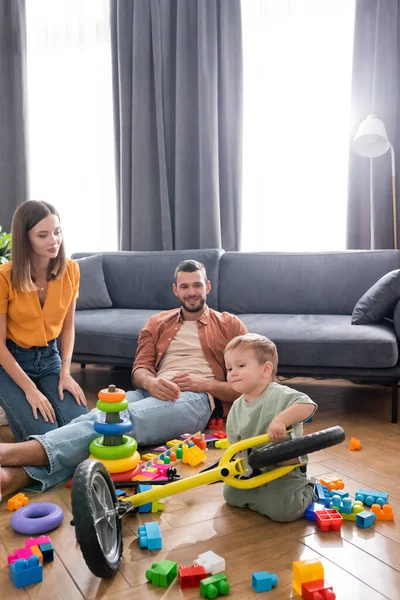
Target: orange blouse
<point x="28" y="324"/>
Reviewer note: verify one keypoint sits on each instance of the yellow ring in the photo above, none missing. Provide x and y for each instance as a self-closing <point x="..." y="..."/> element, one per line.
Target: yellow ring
<point x="121" y="464"/>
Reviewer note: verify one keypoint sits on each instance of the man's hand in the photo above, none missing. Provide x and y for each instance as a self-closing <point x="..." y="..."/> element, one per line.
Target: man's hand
<point x="276" y="430"/>
<point x="190" y="383"/>
<point x="163" y="389"/>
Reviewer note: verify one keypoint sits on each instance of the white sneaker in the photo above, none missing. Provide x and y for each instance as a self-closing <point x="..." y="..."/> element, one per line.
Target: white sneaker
<point x="3" y="418"/>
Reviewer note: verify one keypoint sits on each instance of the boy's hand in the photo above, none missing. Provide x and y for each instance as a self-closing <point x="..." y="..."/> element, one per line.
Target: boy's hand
<point x="276" y="430"/>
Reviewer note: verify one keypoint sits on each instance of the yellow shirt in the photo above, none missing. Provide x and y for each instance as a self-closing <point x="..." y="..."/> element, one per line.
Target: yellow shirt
<point x="28" y="324"/>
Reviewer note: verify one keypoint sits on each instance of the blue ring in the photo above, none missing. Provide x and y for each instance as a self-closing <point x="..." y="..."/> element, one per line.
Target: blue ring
<point x="113" y="428"/>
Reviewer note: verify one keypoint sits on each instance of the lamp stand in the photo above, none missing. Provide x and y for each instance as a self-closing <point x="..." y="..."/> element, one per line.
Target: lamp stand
<point x="394" y="207"/>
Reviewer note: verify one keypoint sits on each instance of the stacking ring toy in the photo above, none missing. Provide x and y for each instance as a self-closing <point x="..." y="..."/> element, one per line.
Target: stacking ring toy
<point x="112" y="396"/>
<point x="127" y="448"/>
<point x="113" y="428"/>
<point x="112" y="406"/>
<point x="36" y="518"/>
<point x="120" y="465"/>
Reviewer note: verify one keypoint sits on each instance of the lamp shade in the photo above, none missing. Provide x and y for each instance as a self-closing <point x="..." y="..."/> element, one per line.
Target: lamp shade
<point x="371" y="139"/>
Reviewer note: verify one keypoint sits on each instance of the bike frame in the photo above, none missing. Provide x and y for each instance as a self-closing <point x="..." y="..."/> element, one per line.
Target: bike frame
<point x="227" y="471"/>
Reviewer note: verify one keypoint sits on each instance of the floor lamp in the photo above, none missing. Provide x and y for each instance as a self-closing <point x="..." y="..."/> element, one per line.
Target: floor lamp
<point x="371" y="141"/>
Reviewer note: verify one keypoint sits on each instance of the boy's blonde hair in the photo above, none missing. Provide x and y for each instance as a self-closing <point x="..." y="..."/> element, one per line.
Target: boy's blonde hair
<point x="264" y="349"/>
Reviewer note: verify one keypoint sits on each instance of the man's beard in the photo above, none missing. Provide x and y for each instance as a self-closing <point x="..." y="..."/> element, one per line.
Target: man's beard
<point x="193" y="309"/>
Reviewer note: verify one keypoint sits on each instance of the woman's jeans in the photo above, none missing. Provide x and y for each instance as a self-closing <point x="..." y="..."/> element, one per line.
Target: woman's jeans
<point x="43" y="366"/>
<point x="153" y="422"/>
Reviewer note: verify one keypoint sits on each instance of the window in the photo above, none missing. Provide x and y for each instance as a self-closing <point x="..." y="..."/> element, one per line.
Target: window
<point x="71" y="118"/>
<point x="297" y="94"/>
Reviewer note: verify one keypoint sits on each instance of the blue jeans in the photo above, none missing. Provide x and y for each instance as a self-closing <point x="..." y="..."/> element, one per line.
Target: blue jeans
<point x="42" y="365"/>
<point x="154" y="421"/>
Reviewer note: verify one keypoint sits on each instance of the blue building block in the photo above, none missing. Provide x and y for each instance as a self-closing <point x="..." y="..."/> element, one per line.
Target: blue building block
<point x="24" y="572"/>
<point x="322" y="494"/>
<point x="340" y="493"/>
<point x="150" y="536"/>
<point x="262" y="581"/>
<point x="145" y="508"/>
<point x="310" y="511"/>
<point x="365" y="519"/>
<point x="336" y="502"/>
<point x="347" y="506"/>
<point x="47" y="551"/>
<point x="370" y="497"/>
<point x="120" y="493"/>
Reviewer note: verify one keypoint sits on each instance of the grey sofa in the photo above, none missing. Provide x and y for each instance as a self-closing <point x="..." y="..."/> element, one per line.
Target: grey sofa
<point x="302" y="301"/>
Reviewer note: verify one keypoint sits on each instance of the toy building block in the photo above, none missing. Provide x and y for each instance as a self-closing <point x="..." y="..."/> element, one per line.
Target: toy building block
<point x="340" y="493"/>
<point x="24" y="572"/>
<point x="311" y="510"/>
<point x="365" y="519"/>
<point x="222" y="444"/>
<point x="213" y="586"/>
<point x="336" y="502"/>
<point x="332" y="483"/>
<point x="355" y="510"/>
<point x="24" y="553"/>
<point x="305" y="571"/>
<point x="157" y="505"/>
<point x="162" y="573"/>
<point x="190" y="577"/>
<point x="355" y="444"/>
<point x="221" y="435"/>
<point x="17" y="501"/>
<point x="329" y="519"/>
<point x="173" y="443"/>
<point x="317" y="590"/>
<point x="145" y="508"/>
<point x="347" y="506"/>
<point x="215" y="424"/>
<point x="42" y="539"/>
<point x="383" y="513"/>
<point x="193" y="456"/>
<point x="212" y="563"/>
<point x="262" y="581"/>
<point x="150" y="456"/>
<point x="370" y="497"/>
<point x="150" y="536"/>
<point x="322" y="494"/>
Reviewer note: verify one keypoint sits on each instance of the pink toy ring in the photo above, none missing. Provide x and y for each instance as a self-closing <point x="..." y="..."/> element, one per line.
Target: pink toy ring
<point x="36" y="518"/>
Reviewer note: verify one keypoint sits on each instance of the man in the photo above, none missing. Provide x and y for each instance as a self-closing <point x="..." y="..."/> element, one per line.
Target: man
<point x="178" y="371"/>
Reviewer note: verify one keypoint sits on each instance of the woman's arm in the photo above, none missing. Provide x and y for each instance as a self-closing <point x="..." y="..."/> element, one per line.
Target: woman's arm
<point x="67" y="339"/>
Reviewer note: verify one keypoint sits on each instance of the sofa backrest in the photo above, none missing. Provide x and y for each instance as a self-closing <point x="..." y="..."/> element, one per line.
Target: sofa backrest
<point x="300" y="283"/>
<point x="144" y="279"/>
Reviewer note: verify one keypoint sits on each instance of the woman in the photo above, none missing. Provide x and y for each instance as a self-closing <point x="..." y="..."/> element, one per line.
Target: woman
<point x="38" y="290"/>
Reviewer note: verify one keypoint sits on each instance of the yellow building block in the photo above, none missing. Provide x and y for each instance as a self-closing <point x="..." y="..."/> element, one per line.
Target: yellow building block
<point x="305" y="571"/>
<point x="172" y="443"/>
<point x="357" y="508"/>
<point x="193" y="456"/>
<point x="157" y="506"/>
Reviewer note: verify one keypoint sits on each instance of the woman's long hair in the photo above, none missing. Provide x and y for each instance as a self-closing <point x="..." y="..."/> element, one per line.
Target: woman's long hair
<point x="23" y="273"/>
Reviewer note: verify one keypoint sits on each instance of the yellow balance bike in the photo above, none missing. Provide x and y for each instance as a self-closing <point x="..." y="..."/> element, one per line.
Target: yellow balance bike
<point x="97" y="511"/>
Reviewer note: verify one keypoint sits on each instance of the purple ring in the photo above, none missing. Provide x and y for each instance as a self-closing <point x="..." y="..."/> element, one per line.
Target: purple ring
<point x="36" y="518"/>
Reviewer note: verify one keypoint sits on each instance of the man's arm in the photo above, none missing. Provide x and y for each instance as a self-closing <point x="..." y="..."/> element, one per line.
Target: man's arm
<point x="219" y="389"/>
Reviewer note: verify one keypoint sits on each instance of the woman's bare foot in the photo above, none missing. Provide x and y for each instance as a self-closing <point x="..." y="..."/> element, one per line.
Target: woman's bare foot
<point x="29" y="453"/>
<point x="12" y="479"/>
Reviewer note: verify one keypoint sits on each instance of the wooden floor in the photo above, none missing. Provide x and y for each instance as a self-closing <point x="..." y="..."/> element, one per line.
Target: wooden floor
<point x="360" y="564"/>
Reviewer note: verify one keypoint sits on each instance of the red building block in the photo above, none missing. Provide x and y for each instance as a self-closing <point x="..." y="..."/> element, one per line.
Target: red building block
<point x="215" y="424"/>
<point x="316" y="590"/>
<point x="329" y="519"/>
<point x="190" y="577"/>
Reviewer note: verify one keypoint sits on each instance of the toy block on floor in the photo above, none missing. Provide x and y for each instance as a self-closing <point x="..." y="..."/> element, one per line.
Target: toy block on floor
<point x="370" y="497"/>
<point x="190" y="577"/>
<point x="365" y="519"/>
<point x="356" y="508"/>
<point x="329" y="519"/>
<point x="215" y="424"/>
<point x="305" y="571"/>
<point x="24" y="572"/>
<point x="193" y="456"/>
<point x="336" y="503"/>
<point x="162" y="573"/>
<point x="340" y="493"/>
<point x="47" y="551"/>
<point x="42" y="539"/>
<point x="212" y="563"/>
<point x="317" y="590"/>
<point x="322" y="494"/>
<point x="145" y="508"/>
<point x="213" y="586"/>
<point x="332" y="483"/>
<point x="262" y="581"/>
<point x="24" y="553"/>
<point x="222" y="444"/>
<point x="150" y="536"/>
<point x="311" y="510"/>
<point x="383" y="513"/>
<point x="355" y="444"/>
<point x="157" y="505"/>
<point x="17" y="501"/>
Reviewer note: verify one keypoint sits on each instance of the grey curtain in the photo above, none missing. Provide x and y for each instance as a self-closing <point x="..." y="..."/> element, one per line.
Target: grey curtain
<point x="177" y="77"/>
<point x="13" y="109"/>
<point x="375" y="89"/>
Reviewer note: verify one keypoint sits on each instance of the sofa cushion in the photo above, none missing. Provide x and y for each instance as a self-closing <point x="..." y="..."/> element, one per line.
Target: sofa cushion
<point x="300" y="283"/>
<point x="378" y="301"/>
<point x="111" y="333"/>
<point x="327" y="340"/>
<point x="143" y="280"/>
<point x="93" y="291"/>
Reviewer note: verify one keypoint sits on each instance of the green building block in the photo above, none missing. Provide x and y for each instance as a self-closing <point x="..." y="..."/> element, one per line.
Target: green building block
<point x="214" y="586"/>
<point x="162" y="573"/>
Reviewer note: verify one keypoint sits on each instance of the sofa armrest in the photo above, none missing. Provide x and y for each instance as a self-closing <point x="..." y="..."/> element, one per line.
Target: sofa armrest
<point x="396" y="319"/>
